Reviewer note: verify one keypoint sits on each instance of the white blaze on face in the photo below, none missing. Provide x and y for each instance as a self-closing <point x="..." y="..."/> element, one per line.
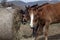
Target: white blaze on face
<point x="31" y="21"/>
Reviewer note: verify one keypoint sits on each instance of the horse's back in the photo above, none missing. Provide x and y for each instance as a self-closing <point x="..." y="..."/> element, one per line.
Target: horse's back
<point x="55" y="12"/>
<point x="51" y="12"/>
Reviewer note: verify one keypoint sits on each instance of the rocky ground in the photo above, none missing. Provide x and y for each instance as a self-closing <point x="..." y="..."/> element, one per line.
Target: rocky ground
<point x="25" y="31"/>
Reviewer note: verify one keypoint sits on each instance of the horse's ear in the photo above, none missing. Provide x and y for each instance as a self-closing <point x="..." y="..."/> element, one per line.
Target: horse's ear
<point x="26" y="6"/>
<point x="22" y="11"/>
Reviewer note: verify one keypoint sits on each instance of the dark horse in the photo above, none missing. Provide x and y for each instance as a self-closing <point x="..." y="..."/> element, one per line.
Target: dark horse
<point x="40" y="17"/>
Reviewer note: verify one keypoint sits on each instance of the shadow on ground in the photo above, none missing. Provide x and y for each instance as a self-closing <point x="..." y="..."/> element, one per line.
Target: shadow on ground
<point x="54" y="37"/>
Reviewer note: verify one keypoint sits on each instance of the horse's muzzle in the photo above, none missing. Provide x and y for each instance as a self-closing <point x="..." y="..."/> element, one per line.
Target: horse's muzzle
<point x="24" y="22"/>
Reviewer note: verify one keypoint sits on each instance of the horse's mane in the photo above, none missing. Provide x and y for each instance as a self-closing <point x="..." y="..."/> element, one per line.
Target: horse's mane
<point x="42" y="5"/>
<point x="34" y="5"/>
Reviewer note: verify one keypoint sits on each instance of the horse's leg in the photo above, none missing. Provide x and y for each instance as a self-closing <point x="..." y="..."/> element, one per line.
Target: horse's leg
<point x="35" y="30"/>
<point x="39" y="32"/>
<point x="36" y="37"/>
<point x="46" y="27"/>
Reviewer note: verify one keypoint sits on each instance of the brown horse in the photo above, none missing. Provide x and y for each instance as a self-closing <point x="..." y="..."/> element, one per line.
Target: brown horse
<point x="42" y="16"/>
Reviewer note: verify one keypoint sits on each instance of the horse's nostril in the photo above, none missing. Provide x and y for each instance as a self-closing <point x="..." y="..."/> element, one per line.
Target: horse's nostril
<point x="24" y="21"/>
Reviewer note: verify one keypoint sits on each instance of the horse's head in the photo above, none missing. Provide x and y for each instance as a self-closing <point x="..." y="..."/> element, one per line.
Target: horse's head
<point x="24" y="16"/>
<point x="31" y="16"/>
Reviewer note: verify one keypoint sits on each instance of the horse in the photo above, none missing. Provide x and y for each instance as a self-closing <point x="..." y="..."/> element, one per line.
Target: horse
<point x="42" y="16"/>
<point x="26" y="17"/>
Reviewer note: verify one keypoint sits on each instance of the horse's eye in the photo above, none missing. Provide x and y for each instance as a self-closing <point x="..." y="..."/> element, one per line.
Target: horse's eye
<point x="35" y="20"/>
